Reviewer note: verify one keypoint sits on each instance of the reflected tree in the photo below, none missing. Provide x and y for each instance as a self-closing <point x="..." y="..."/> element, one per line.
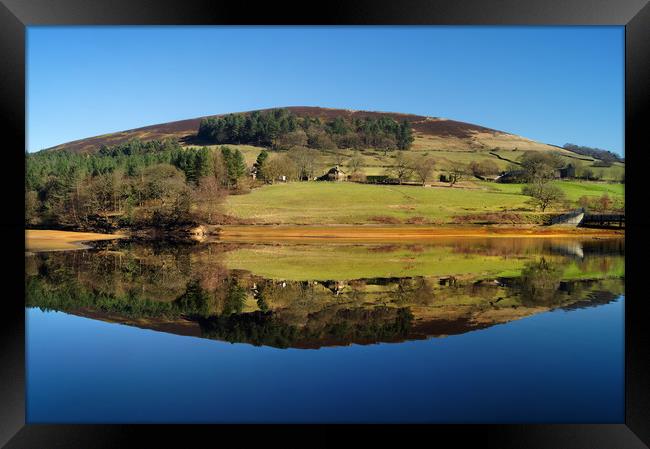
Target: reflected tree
<point x="195" y="300"/>
<point x="235" y="298"/>
<point x="539" y="283"/>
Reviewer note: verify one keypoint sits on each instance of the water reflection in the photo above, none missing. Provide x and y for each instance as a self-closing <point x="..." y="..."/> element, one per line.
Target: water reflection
<point x="311" y="296"/>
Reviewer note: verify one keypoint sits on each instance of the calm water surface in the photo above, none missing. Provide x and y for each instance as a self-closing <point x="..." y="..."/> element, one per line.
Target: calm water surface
<point x="464" y="330"/>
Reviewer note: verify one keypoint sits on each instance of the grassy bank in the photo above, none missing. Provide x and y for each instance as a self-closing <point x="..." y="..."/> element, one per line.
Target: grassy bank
<point x="350" y="203"/>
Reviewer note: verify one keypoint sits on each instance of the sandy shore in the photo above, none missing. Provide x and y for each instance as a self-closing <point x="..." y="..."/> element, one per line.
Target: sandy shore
<point x="37" y="240"/>
<point x="400" y="233"/>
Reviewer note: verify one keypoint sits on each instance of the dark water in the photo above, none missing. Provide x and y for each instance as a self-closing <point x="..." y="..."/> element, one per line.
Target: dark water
<point x="473" y="330"/>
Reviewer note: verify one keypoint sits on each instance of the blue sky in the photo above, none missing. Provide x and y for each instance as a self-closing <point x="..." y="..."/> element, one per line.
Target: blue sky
<point x="551" y="84"/>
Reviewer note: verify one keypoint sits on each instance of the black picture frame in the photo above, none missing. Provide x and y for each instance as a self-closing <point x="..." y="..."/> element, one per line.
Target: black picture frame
<point x="15" y="15"/>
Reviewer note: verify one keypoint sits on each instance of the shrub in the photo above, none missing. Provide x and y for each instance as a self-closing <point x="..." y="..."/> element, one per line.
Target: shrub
<point x="385" y="219"/>
<point x="504" y="218"/>
<point x="357" y="177"/>
<point x="417" y="220"/>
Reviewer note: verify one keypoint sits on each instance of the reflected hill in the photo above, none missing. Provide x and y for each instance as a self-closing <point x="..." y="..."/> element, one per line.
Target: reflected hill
<point x="245" y="294"/>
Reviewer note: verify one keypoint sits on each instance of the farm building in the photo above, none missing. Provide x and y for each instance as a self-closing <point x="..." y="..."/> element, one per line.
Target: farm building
<point x="567" y="172"/>
<point x="333" y="174"/>
<point x="512" y="176"/>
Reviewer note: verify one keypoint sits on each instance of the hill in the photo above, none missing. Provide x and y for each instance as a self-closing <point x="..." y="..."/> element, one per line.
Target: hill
<point x="430" y="132"/>
<point x="447" y="141"/>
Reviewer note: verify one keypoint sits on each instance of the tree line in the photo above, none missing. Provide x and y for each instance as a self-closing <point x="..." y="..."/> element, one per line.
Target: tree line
<point x="281" y="129"/>
<point x="131" y="184"/>
<point x="597" y="153"/>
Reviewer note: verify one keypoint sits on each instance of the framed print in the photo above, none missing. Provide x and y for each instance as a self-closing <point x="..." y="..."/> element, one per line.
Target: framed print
<point x="381" y="218"/>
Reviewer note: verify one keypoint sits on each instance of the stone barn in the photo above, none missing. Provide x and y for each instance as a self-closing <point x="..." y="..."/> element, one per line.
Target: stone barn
<point x="568" y="172"/>
<point x="513" y="176"/>
<point x="334" y="174"/>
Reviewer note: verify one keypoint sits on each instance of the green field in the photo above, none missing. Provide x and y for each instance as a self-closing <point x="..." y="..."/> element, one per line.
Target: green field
<point x="572" y="189"/>
<point x="351" y="203"/>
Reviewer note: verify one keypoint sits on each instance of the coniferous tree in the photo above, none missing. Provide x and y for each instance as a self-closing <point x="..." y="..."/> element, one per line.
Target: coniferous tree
<point x="235" y="165"/>
<point x="404" y="136"/>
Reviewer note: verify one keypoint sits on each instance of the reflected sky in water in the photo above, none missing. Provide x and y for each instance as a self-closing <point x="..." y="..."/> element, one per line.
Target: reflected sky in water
<point x="550" y="350"/>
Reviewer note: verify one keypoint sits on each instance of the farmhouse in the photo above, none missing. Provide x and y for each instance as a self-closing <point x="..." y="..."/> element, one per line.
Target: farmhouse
<point x="333" y="174"/>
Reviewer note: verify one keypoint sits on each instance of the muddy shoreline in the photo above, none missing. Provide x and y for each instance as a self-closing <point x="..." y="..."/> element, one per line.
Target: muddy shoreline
<point x="39" y="240"/>
<point x="42" y="240"/>
<point x="402" y="233"/>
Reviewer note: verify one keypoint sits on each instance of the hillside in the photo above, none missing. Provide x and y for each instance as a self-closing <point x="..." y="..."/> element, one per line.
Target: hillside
<point x="431" y="132"/>
<point x="447" y="141"/>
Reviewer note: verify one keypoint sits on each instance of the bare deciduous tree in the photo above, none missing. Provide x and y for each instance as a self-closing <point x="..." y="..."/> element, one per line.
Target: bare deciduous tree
<point x="219" y="171"/>
<point x="402" y="167"/>
<point x="320" y="139"/>
<point x="280" y="165"/>
<point x="292" y="139"/>
<point x="484" y="168"/>
<point x="543" y="195"/>
<point x="306" y="161"/>
<point x="387" y="143"/>
<point x="208" y="197"/>
<point x="457" y="171"/>
<point x="339" y="157"/>
<point x="355" y="162"/>
<point x="423" y="167"/>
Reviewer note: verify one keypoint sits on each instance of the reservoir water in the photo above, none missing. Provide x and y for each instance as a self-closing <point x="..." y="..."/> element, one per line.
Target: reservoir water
<point x="501" y="330"/>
